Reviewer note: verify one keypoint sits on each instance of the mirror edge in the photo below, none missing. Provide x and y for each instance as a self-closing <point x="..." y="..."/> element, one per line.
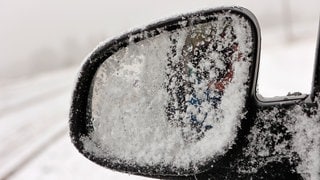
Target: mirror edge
<point x="78" y="122"/>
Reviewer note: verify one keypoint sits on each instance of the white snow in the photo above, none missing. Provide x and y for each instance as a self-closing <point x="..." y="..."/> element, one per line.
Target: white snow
<point x="306" y="141"/>
<point x="267" y="146"/>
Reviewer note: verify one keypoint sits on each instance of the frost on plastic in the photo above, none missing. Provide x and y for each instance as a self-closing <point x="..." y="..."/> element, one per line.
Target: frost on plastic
<point x="292" y="135"/>
<point x="174" y="100"/>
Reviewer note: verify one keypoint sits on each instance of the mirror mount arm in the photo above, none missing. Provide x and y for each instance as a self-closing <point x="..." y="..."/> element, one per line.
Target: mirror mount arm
<point x="316" y="73"/>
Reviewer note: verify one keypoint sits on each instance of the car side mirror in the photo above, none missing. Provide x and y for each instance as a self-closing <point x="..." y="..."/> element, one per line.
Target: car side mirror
<point x="170" y="99"/>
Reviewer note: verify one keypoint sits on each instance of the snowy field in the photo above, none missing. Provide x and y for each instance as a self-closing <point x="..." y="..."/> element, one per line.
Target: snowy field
<point x="34" y="109"/>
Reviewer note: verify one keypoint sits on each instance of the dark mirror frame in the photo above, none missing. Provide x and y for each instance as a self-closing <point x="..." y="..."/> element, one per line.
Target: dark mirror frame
<point x="80" y="121"/>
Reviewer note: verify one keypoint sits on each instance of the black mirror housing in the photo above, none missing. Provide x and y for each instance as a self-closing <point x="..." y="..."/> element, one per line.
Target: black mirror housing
<point x="82" y="123"/>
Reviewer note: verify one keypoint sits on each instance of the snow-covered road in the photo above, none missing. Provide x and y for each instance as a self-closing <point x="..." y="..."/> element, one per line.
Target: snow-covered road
<point x="33" y="115"/>
<point x="34" y="137"/>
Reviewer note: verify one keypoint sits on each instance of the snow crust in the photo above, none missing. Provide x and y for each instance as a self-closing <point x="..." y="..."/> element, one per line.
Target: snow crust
<point x="143" y="109"/>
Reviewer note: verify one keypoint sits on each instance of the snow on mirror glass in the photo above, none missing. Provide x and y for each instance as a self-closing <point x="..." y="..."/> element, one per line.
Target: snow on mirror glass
<point x="174" y="100"/>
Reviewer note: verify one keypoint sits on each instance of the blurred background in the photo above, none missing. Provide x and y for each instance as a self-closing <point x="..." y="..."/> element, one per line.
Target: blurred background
<point x="42" y="44"/>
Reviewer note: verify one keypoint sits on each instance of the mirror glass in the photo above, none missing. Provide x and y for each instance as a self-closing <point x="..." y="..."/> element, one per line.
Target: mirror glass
<point x="174" y="100"/>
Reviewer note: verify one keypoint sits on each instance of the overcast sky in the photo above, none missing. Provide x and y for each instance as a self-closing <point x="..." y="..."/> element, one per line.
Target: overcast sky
<point x="29" y="26"/>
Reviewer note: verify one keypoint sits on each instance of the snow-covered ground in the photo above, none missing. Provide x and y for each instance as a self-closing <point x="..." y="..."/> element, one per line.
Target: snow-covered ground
<point x="34" y="110"/>
<point x="34" y="137"/>
<point x="33" y="123"/>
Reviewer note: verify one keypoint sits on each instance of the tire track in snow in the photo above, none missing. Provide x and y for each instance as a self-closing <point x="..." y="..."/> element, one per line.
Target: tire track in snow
<point x="32" y="91"/>
<point x="30" y="125"/>
<point x="25" y="134"/>
<point x="30" y="102"/>
<point x="33" y="154"/>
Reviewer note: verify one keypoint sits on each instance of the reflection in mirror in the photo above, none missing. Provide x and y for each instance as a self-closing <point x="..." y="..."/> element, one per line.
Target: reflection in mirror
<point x="174" y="100"/>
